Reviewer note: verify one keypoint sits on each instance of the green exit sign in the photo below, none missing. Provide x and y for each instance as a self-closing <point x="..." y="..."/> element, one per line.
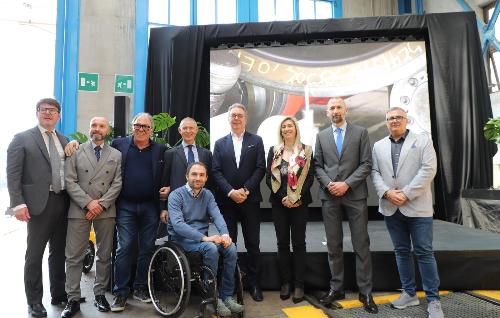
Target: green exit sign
<point x="88" y="82"/>
<point x="124" y="83"/>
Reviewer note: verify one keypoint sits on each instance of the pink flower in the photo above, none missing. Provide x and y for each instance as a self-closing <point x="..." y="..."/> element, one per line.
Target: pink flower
<point x="300" y="161"/>
<point x="292" y="181"/>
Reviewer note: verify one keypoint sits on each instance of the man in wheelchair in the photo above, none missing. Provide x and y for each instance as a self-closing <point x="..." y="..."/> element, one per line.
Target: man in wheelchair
<point x="190" y="209"/>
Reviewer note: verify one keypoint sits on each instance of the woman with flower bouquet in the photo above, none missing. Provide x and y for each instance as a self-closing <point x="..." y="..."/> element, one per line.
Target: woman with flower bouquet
<point x="290" y="176"/>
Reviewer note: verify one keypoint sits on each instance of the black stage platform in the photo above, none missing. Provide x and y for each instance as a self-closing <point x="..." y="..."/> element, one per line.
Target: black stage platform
<point x="467" y="258"/>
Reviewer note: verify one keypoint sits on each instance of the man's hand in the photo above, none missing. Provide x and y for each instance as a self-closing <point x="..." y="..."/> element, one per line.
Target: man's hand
<point x="286" y="202"/>
<point x="396" y="197"/>
<point x="226" y="240"/>
<point x="22" y="214"/>
<point x="164" y="216"/>
<point x="164" y="191"/>
<point x="238" y="196"/>
<point x="214" y="238"/>
<point x="71" y="147"/>
<point x="94" y="209"/>
<point x="338" y="189"/>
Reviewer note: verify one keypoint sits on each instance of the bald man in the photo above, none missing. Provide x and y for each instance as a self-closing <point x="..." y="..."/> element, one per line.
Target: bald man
<point x="93" y="181"/>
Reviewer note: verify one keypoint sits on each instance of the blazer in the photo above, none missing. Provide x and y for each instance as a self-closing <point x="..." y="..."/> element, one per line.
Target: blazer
<point x="352" y="167"/>
<point x="251" y="170"/>
<point x="123" y="144"/>
<point x="88" y="179"/>
<point x="416" y="169"/>
<point x="29" y="173"/>
<point x="174" y="171"/>
<point x="305" y="193"/>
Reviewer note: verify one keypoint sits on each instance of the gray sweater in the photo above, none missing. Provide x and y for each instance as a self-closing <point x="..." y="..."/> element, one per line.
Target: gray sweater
<point x="189" y="216"/>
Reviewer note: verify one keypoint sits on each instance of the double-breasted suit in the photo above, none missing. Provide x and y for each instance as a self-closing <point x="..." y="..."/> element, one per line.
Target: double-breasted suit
<point x="90" y="179"/>
<point x="29" y="177"/>
<point x="352" y="166"/>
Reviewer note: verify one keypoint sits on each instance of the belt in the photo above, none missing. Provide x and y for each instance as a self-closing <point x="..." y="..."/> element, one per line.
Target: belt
<point x="62" y="192"/>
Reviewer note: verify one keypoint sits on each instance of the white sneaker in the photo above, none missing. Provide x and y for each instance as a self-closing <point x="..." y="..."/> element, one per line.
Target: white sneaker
<point x="404" y="301"/>
<point x="233" y="305"/>
<point x="222" y="310"/>
<point x="434" y="309"/>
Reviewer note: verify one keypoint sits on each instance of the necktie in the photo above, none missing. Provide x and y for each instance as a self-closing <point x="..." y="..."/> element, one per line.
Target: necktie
<point x="339" y="140"/>
<point x="55" y="164"/>
<point x="190" y="154"/>
<point x="97" y="150"/>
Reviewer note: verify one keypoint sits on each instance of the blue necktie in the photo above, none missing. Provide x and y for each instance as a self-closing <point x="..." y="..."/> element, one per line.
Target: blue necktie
<point x="97" y="150"/>
<point x="339" y="140"/>
<point x="190" y="154"/>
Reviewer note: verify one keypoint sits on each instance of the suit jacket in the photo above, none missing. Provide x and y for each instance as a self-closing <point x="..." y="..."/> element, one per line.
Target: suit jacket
<point x="29" y="173"/>
<point x="88" y="179"/>
<point x="251" y="170"/>
<point x="416" y="169"/>
<point x="174" y="172"/>
<point x="123" y="144"/>
<point x="352" y="167"/>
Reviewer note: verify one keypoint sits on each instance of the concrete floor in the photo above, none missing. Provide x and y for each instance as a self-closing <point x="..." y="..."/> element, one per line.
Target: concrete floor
<point x="13" y="300"/>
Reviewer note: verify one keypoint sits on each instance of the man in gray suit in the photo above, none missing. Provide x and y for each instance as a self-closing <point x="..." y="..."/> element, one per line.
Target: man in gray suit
<point x="342" y="161"/>
<point x="35" y="179"/>
<point x="404" y="165"/>
<point x="177" y="159"/>
<point x="93" y="181"/>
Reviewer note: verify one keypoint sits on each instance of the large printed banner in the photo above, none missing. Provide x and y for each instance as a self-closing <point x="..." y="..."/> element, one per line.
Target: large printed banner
<point x="298" y="80"/>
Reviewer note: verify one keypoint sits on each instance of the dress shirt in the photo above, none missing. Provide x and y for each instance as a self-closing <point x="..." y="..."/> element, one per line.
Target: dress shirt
<point x="186" y="149"/>
<point x="343" y="127"/>
<point x="60" y="150"/>
<point x="237" y="144"/>
<point x="396" y="146"/>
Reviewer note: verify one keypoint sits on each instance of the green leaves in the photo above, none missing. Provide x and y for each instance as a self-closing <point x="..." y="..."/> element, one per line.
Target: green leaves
<point x="203" y="137"/>
<point x="491" y="130"/>
<point x="163" y="121"/>
<point x="78" y="136"/>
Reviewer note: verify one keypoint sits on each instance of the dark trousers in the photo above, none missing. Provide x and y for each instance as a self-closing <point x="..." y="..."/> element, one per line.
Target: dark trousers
<point x="48" y="227"/>
<point x="248" y="213"/>
<point x="357" y="215"/>
<point x="291" y="221"/>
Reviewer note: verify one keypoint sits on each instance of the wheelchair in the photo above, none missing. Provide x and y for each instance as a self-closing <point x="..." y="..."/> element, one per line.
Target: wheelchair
<point x="172" y="275"/>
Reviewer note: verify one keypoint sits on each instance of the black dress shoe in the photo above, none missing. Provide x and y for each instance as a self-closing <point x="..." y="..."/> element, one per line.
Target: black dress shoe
<point x="368" y="303"/>
<point x="71" y="309"/>
<point x="256" y="293"/>
<point x="101" y="303"/>
<point x="37" y="310"/>
<point x="298" y="295"/>
<point x="285" y="291"/>
<point x="333" y="295"/>
<point x="59" y="301"/>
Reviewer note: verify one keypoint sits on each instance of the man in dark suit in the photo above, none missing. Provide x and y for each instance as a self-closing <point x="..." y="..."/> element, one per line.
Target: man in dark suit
<point x="35" y="179"/>
<point x="238" y="167"/>
<point x="138" y="209"/>
<point x="177" y="159"/>
<point x="342" y="162"/>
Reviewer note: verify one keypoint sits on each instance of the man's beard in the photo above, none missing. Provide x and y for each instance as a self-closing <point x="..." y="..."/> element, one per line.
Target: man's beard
<point x="337" y="119"/>
<point x="97" y="137"/>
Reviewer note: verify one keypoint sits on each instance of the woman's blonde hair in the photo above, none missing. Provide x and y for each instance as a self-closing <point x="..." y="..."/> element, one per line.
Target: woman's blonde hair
<point x="297" y="144"/>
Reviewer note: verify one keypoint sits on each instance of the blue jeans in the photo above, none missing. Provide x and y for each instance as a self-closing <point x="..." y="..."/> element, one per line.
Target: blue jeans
<point x="210" y="253"/>
<point x="417" y="230"/>
<point x="136" y="225"/>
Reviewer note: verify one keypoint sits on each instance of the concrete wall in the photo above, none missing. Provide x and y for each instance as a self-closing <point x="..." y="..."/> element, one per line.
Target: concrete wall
<point x="431" y="6"/>
<point x="369" y="8"/>
<point x="107" y="37"/>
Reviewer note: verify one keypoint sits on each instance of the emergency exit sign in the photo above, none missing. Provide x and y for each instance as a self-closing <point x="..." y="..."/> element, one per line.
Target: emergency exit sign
<point x="124" y="83"/>
<point x="88" y="82"/>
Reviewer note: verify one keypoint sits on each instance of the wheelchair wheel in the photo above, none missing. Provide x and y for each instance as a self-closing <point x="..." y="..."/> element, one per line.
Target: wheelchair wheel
<point x="169" y="280"/>
<point x="88" y="260"/>
<point x="238" y="288"/>
<point x="207" y="284"/>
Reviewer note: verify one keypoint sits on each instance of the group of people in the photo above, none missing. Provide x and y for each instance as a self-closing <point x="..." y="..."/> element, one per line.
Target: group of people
<point x="61" y="188"/>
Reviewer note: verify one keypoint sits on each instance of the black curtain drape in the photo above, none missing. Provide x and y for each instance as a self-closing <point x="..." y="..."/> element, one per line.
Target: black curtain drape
<point x="179" y="66"/>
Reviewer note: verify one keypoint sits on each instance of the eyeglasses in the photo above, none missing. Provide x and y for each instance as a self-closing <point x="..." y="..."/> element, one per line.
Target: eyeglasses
<point x="395" y="118"/>
<point x="51" y="111"/>
<point x="234" y="116"/>
<point x="141" y="126"/>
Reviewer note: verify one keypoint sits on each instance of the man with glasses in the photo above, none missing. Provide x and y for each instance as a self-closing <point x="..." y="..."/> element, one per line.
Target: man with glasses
<point x="404" y="165"/>
<point x="238" y="167"/>
<point x="35" y="180"/>
<point x="138" y="209"/>
<point x="342" y="161"/>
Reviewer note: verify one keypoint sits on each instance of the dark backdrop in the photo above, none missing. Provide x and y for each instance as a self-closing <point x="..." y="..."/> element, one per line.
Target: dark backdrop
<point x="179" y="64"/>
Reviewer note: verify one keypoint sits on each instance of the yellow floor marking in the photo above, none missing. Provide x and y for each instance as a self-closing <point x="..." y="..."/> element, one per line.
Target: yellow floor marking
<point x="354" y="303"/>
<point x="494" y="294"/>
<point x="304" y="311"/>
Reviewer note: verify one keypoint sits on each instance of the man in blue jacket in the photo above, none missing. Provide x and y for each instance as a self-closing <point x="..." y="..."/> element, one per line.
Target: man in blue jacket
<point x="191" y="208"/>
